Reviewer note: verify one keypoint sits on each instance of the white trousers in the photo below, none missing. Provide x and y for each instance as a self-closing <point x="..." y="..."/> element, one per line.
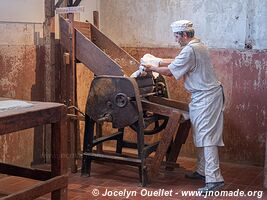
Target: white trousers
<point x="208" y="164"/>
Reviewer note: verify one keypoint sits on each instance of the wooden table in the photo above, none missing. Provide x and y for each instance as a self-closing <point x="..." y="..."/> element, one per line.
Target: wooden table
<point x="54" y="181"/>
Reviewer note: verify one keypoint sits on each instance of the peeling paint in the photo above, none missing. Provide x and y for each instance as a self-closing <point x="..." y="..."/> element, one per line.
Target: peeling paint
<point x="17" y="77"/>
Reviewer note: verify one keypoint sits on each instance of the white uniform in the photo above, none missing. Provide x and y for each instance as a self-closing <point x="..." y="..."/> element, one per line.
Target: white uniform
<point x="206" y="106"/>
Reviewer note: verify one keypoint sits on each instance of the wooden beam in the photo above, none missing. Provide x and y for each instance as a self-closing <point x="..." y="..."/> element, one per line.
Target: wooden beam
<point x="169" y="131"/>
<point x="39" y="189"/>
<point x="64" y="33"/>
<point x="58" y="4"/>
<point x="69" y="3"/>
<point x="96" y="18"/>
<point x="76" y="3"/>
<point x="114" y="52"/>
<point x="30" y="118"/>
<point x="36" y="174"/>
<point x="94" y="58"/>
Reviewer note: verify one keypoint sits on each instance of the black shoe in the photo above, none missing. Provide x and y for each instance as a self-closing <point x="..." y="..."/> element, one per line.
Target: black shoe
<point x="211" y="187"/>
<point x="195" y="175"/>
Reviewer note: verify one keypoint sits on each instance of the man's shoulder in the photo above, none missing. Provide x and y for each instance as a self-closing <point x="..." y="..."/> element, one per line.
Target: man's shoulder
<point x="198" y="46"/>
<point x="188" y="48"/>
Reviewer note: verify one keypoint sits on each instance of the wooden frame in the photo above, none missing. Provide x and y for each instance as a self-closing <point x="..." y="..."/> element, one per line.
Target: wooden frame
<point x="56" y="180"/>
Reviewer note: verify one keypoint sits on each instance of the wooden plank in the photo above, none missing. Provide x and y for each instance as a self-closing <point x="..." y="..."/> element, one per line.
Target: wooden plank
<point x="38" y="114"/>
<point x="105" y="56"/>
<point x="173" y="110"/>
<point x="36" y="174"/>
<point x="169" y="102"/>
<point x="94" y="58"/>
<point x="23" y="118"/>
<point x="59" y="3"/>
<point x="169" y="131"/>
<point x="84" y="28"/>
<point x="116" y="53"/>
<point x="74" y="125"/>
<point x="114" y="159"/>
<point x="160" y="109"/>
<point x="39" y="189"/>
<point x="96" y="18"/>
<point x="179" y="140"/>
<point x="59" y="156"/>
<point x="64" y="33"/>
<point x="77" y="2"/>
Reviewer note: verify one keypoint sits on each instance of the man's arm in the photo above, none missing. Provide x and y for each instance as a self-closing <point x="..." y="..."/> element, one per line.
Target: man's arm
<point x="161" y="70"/>
<point x="165" y="62"/>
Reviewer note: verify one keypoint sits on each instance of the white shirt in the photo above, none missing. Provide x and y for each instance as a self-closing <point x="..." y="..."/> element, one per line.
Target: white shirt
<point x="206" y="106"/>
<point x="195" y="65"/>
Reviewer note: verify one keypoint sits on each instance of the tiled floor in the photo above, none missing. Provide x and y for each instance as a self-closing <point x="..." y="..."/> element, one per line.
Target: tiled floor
<point x="121" y="178"/>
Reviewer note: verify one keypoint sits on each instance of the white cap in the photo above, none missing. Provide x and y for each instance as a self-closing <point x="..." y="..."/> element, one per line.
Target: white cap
<point x="182" y="25"/>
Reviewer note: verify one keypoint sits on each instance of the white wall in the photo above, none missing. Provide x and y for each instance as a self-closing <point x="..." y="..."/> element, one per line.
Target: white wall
<point x="22" y="11"/>
<point x="259" y="25"/>
<point x="89" y="7"/>
<point x="21" y="22"/>
<point x="220" y="24"/>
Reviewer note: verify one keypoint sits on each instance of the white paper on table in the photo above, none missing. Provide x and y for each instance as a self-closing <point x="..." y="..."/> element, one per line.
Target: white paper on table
<point x="11" y="104"/>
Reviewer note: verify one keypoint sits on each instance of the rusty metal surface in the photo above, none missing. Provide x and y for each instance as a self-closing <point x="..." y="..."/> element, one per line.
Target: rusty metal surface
<point x="117" y="100"/>
<point x="112" y="96"/>
<point x="145" y="84"/>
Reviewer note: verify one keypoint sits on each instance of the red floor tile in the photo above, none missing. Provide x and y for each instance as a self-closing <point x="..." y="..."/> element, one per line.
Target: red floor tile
<point x="115" y="178"/>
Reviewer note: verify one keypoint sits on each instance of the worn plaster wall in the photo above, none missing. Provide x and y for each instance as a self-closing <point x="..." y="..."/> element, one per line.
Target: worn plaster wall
<point x="234" y="31"/>
<point x="21" y="61"/>
<point x="27" y="69"/>
<point x="18" y="79"/>
<point x="227" y="24"/>
<point x="22" y="11"/>
<point x="89" y="7"/>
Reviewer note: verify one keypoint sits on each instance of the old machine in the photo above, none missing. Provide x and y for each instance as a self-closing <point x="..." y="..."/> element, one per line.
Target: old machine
<point x="140" y="105"/>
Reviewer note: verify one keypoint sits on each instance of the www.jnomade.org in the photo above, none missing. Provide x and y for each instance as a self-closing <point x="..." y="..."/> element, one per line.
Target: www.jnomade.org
<point x="169" y="193"/>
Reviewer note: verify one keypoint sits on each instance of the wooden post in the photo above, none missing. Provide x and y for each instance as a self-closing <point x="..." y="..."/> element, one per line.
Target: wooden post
<point x="74" y="126"/>
<point x="96" y="18"/>
<point x="71" y="83"/>
<point x="99" y="147"/>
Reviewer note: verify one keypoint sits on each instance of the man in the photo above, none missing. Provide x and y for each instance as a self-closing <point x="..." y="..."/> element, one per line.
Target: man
<point x="207" y="100"/>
